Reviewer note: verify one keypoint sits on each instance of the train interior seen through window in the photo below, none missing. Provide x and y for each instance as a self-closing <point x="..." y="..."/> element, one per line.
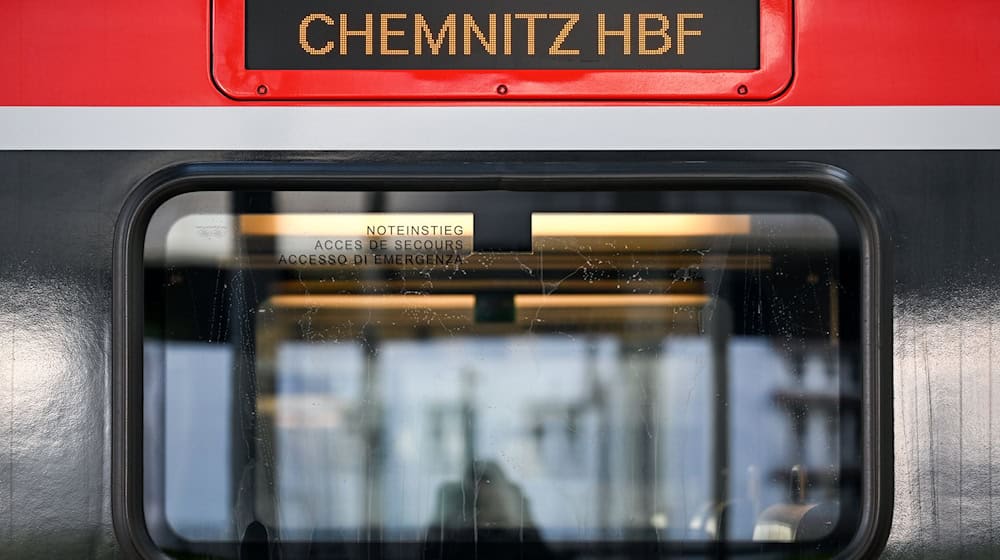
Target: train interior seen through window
<point x="568" y="375"/>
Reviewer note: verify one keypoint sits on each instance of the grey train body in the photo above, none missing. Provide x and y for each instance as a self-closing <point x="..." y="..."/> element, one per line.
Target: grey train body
<point x="58" y="213"/>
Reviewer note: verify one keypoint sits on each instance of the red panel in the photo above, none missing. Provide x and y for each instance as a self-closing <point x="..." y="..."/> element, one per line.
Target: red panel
<point x="766" y="83"/>
<point x="897" y="52"/>
<point x="105" y="52"/>
<point x="157" y="52"/>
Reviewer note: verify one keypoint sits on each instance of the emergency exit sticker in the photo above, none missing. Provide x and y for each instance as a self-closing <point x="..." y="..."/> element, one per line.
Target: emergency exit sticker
<point x="370" y="239"/>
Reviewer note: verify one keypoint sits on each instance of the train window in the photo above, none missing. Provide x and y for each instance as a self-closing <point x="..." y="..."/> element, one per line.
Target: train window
<point x="553" y="374"/>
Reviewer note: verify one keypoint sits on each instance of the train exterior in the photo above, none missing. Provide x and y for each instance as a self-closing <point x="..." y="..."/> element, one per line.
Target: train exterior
<point x="525" y="279"/>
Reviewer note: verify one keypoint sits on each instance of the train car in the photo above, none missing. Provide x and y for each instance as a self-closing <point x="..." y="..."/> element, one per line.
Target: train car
<point x="519" y="280"/>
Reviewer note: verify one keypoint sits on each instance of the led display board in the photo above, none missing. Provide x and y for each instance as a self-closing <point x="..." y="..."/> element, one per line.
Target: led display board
<point x="516" y="35"/>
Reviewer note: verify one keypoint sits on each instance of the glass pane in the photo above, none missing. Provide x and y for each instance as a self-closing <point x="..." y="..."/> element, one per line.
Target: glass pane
<point x="567" y="374"/>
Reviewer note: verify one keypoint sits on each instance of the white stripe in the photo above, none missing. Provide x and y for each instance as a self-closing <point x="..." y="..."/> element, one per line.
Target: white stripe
<point x="499" y="128"/>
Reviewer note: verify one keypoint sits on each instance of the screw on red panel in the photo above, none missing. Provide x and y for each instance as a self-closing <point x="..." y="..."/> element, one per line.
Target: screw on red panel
<point x="502" y="89"/>
<point x="261" y="89"/>
<point x="742" y="90"/>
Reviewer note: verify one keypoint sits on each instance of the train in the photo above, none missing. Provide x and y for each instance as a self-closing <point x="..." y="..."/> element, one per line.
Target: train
<point x="536" y="279"/>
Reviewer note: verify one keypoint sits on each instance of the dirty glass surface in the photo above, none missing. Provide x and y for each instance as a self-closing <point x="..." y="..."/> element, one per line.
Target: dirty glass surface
<point x="501" y="374"/>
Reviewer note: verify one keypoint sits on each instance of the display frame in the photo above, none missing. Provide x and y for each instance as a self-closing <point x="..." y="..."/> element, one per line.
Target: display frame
<point x="445" y="174"/>
<point x="232" y="77"/>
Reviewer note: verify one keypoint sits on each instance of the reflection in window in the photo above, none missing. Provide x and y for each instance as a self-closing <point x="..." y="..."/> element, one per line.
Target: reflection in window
<point x="194" y="391"/>
<point x="628" y="377"/>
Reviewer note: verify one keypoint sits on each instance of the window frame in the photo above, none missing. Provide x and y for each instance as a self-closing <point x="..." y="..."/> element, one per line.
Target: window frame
<point x="505" y="173"/>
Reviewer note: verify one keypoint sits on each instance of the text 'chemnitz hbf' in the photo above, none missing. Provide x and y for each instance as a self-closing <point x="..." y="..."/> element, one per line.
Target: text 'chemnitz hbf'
<point x="498" y="34"/>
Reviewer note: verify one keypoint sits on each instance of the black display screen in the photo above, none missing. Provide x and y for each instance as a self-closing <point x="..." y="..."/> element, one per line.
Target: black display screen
<point x="509" y="35"/>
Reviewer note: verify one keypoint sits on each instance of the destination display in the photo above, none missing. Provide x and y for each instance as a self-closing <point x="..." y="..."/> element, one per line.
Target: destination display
<point x="509" y="35"/>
